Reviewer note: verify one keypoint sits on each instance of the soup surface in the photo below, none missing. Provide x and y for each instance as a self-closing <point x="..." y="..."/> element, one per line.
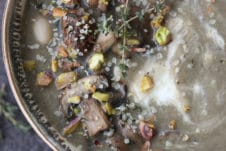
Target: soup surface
<point x="145" y="85"/>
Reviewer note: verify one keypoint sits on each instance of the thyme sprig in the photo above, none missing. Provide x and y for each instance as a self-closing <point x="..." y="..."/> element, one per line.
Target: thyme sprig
<point x="7" y="111"/>
<point x="121" y="26"/>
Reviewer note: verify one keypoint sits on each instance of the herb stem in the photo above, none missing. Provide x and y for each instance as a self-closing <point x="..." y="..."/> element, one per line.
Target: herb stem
<point x="134" y="17"/>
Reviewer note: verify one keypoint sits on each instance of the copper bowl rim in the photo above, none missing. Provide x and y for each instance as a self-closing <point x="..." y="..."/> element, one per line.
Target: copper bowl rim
<point x="11" y="77"/>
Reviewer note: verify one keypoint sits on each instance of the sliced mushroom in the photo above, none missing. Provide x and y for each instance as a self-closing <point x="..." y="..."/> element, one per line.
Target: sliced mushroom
<point x="95" y="118"/>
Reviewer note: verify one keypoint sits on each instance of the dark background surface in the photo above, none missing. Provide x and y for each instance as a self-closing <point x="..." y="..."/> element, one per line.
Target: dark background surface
<point x="14" y="139"/>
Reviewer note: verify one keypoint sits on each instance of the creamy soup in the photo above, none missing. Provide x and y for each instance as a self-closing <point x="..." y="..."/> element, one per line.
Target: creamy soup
<point x="131" y="75"/>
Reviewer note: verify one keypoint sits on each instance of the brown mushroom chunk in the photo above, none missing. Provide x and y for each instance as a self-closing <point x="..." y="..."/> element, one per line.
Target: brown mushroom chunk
<point x="78" y="32"/>
<point x="95" y="118"/>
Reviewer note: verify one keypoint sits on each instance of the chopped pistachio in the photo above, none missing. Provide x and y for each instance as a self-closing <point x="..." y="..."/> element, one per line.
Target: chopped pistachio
<point x="29" y="65"/>
<point x="54" y="65"/>
<point x="133" y="42"/>
<point x="44" y="78"/>
<point x="157" y="21"/>
<point x="102" y="97"/>
<point x="96" y="61"/>
<point x="146" y="83"/>
<point x="62" y="52"/>
<point x="108" y="109"/>
<point x="65" y="78"/>
<point x="187" y="108"/>
<point x="172" y="125"/>
<point x="185" y="138"/>
<point x="59" y="12"/>
<point x="90" y="87"/>
<point x="86" y="17"/>
<point x="73" y="125"/>
<point x="162" y="36"/>
<point x="74" y="100"/>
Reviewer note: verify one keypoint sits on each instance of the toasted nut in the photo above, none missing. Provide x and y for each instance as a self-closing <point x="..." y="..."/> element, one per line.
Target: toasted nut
<point x="29" y="65"/>
<point x="133" y="42"/>
<point x="74" y="100"/>
<point x="65" y="1"/>
<point x="102" y="5"/>
<point x="187" y="108"/>
<point x="68" y="66"/>
<point x="146" y="130"/>
<point x="138" y="50"/>
<point x="185" y="138"/>
<point x="146" y="83"/>
<point x="96" y="61"/>
<point x="65" y="79"/>
<point x="44" y="78"/>
<point x="90" y="87"/>
<point x="108" y="109"/>
<point x="54" y="65"/>
<point x="172" y="125"/>
<point x="62" y="52"/>
<point x="102" y="97"/>
<point x="59" y="12"/>
<point x="73" y="125"/>
<point x="162" y="36"/>
<point x="156" y="22"/>
<point x="86" y="17"/>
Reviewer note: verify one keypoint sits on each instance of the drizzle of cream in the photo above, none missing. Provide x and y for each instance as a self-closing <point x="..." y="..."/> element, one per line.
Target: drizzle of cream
<point x="215" y="36"/>
<point x="42" y="30"/>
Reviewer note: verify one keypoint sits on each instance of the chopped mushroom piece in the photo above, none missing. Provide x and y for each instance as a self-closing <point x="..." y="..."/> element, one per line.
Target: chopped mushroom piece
<point x="65" y="79"/>
<point x="44" y="78"/>
<point x="95" y="118"/>
<point x="106" y="41"/>
<point x="146" y="83"/>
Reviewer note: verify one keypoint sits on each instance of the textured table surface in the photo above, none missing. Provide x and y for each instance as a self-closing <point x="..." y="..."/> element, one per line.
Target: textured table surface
<point x="14" y="139"/>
